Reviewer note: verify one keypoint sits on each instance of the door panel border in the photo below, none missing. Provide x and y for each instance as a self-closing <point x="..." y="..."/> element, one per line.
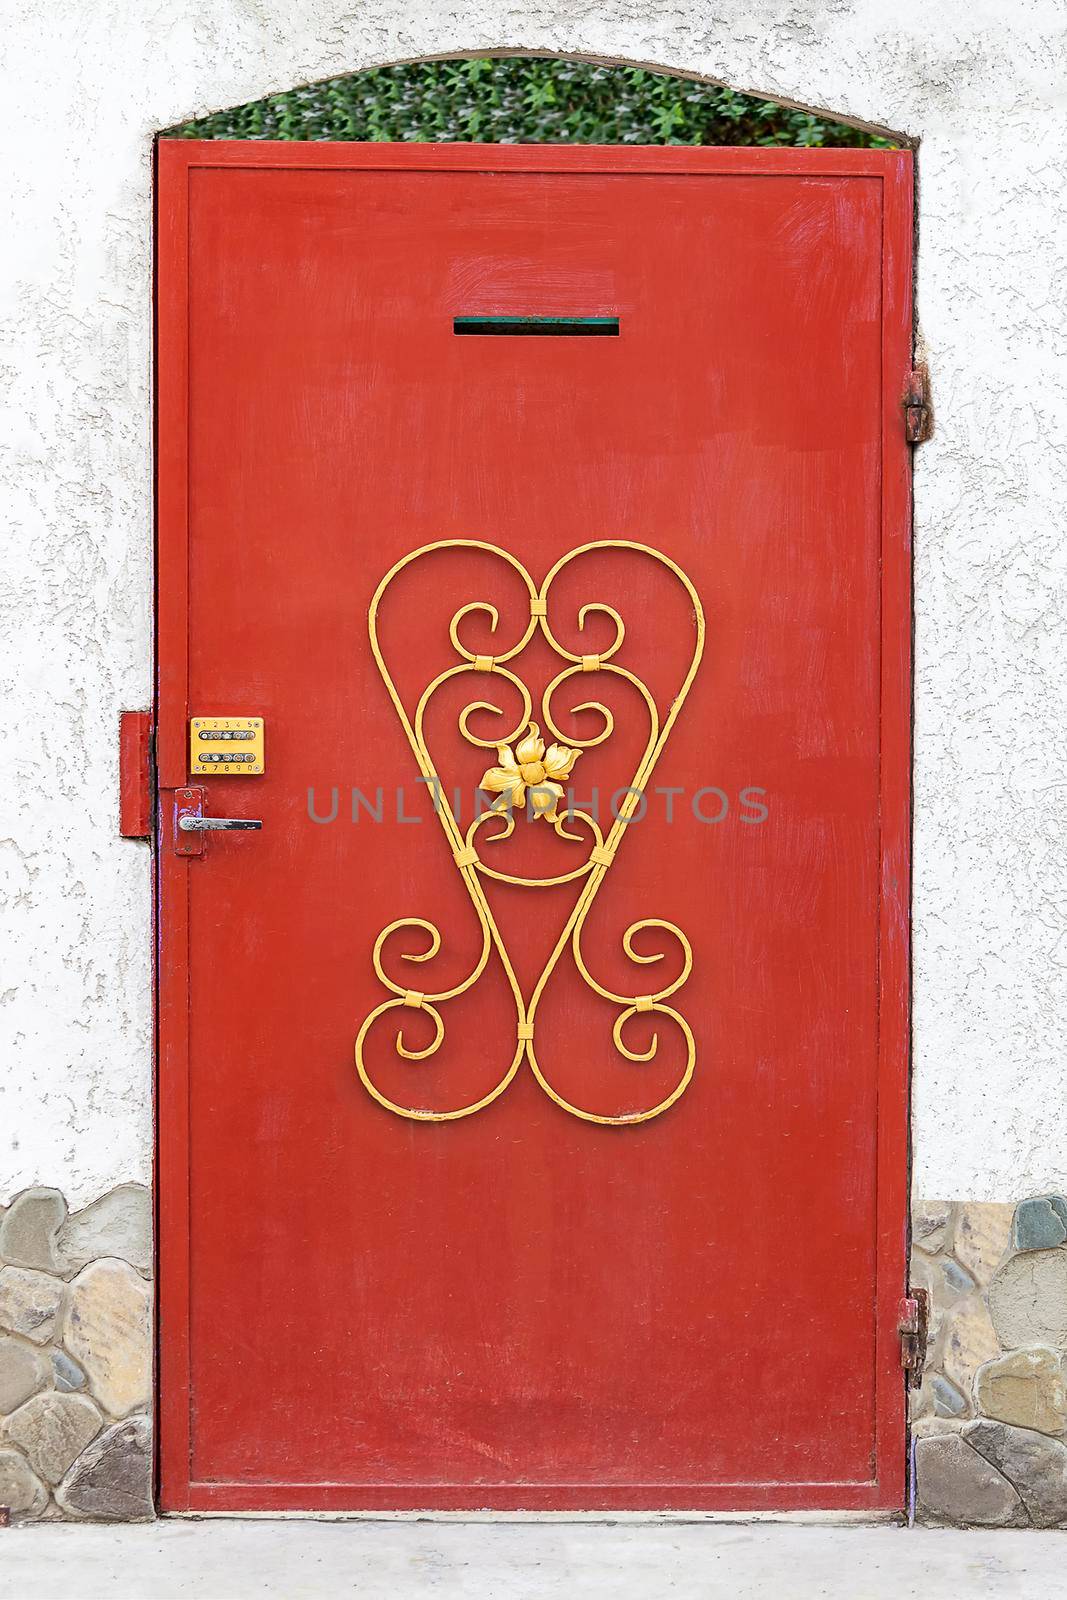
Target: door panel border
<point x="885" y="1490"/>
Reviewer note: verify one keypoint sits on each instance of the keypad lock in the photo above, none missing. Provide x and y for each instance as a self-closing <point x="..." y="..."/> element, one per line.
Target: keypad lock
<point x="226" y="747"/>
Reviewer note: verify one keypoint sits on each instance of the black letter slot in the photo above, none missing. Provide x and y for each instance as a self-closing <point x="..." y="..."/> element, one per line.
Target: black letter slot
<point x="545" y="327"/>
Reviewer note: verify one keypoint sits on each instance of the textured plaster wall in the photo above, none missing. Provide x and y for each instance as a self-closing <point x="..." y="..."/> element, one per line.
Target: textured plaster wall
<point x="981" y="84"/>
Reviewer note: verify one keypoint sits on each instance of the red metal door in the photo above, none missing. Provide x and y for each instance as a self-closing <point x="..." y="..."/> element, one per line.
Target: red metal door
<point x="556" y="1300"/>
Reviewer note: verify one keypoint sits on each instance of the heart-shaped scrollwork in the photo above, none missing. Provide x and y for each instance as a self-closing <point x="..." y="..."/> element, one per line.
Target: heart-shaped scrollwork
<point x="527" y="763"/>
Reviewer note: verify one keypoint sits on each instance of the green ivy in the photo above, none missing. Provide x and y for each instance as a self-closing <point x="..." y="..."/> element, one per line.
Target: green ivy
<point x="523" y="100"/>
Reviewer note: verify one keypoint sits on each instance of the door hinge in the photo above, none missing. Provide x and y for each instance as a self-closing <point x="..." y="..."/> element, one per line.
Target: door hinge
<point x="918" y="416"/>
<point x="137" y="778"/>
<point x="913" y="1323"/>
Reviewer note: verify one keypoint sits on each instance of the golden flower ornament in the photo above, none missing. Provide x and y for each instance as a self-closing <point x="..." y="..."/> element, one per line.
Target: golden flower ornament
<point x="531" y="770"/>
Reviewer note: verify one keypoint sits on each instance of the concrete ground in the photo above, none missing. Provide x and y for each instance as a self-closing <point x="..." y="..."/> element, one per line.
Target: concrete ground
<point x="299" y="1559"/>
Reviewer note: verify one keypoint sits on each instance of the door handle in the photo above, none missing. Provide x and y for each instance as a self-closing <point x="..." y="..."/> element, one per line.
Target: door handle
<point x="217" y="824"/>
<point x="191" y="827"/>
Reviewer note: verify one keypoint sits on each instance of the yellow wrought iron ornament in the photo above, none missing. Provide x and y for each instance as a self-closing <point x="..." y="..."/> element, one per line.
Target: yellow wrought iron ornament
<point x="529" y="775"/>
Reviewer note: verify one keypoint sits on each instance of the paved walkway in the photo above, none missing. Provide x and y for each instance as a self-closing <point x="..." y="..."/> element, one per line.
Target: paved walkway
<point x="223" y="1559"/>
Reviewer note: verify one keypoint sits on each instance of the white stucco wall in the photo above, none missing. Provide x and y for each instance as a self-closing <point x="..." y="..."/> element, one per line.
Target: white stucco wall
<point x="88" y="81"/>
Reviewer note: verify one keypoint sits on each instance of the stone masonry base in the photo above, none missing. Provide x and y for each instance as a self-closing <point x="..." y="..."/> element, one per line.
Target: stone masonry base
<point x="76" y="1356"/>
<point x="990" y="1418"/>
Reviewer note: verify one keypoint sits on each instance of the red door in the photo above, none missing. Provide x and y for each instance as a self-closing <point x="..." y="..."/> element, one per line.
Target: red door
<point x="583" y="1186"/>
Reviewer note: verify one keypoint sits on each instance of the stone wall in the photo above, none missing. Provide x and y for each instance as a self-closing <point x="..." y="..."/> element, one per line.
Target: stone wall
<point x="76" y="1356"/>
<point x="990" y="1418"/>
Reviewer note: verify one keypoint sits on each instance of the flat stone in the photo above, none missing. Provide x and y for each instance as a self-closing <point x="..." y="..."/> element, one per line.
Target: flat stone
<point x="1038" y="1225"/>
<point x="957" y="1279"/>
<point x="944" y="1278"/>
<point x="119" y="1224"/>
<point x="969" y="1341"/>
<point x="930" y="1224"/>
<point x="66" y="1373"/>
<point x="23" y="1370"/>
<point x="112" y="1479"/>
<point x="28" y="1231"/>
<point x="981" y="1237"/>
<point x="948" y="1401"/>
<point x="21" y="1490"/>
<point x="30" y="1302"/>
<point x="956" y="1485"/>
<point x="1027" y="1388"/>
<point x="1035" y="1464"/>
<point x="53" y="1430"/>
<point x="108" y="1330"/>
<point x="1028" y="1299"/>
<point x="938" y="1396"/>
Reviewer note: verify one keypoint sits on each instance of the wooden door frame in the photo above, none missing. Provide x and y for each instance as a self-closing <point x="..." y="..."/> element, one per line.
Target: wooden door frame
<point x="177" y="160"/>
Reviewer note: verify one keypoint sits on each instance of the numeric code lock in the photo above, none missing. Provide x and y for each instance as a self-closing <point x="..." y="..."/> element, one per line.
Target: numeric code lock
<point x="226" y="747"/>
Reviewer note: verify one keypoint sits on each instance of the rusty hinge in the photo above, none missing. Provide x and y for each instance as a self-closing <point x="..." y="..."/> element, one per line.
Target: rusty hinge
<point x="912" y="1324"/>
<point x="918" y="417"/>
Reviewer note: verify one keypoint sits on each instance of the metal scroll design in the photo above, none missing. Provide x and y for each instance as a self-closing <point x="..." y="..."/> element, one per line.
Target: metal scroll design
<point x="591" y="873"/>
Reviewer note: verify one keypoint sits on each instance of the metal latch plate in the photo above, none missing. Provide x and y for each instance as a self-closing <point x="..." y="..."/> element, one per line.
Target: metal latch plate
<point x="136" y="777"/>
<point x="188" y="803"/>
<point x="225" y="747"/>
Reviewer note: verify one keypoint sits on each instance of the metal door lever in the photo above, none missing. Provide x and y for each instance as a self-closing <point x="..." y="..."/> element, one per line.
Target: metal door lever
<point x="217" y="824"/>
